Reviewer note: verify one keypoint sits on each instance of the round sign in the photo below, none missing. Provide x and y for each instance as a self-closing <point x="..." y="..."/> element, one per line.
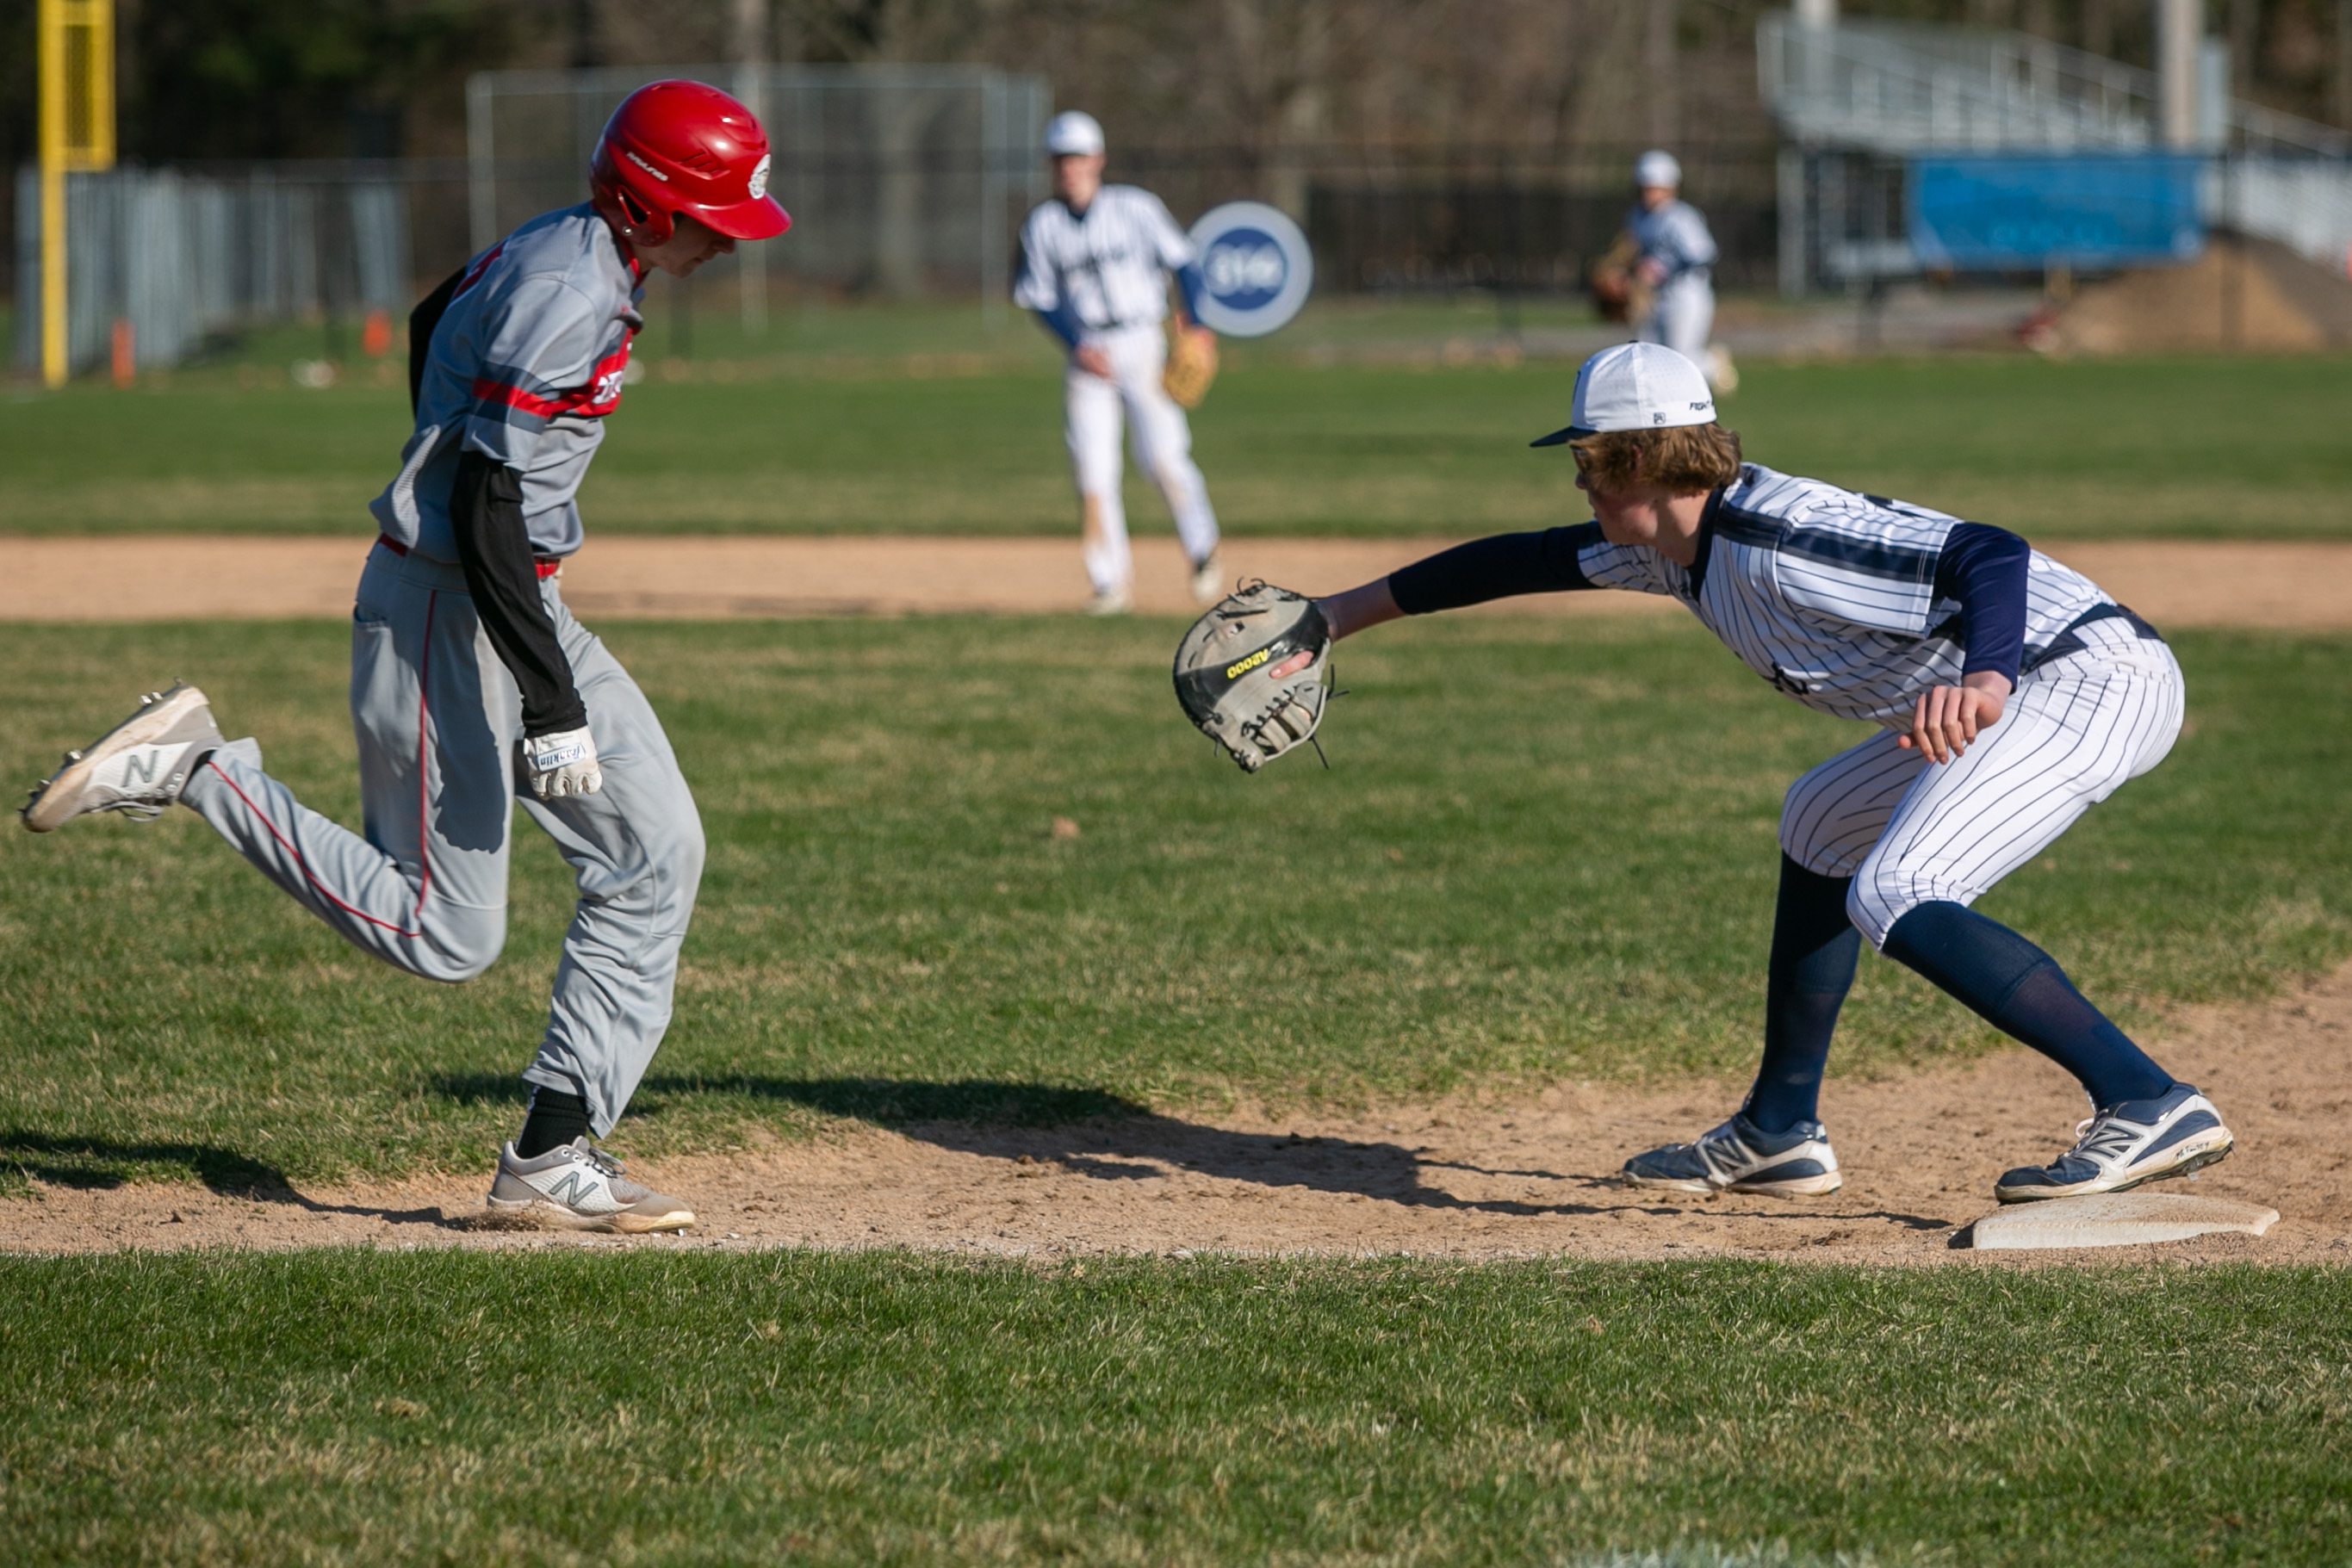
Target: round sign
<point x="1255" y="265"/>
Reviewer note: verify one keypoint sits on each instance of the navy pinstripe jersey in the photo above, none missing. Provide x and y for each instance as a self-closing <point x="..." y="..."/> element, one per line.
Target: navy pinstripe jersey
<point x="1830" y="595"/>
<point x="1108" y="264"/>
<point x="525" y="362"/>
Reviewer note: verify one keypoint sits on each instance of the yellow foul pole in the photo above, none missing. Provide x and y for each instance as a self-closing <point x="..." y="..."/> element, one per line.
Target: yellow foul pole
<point x="76" y="136"/>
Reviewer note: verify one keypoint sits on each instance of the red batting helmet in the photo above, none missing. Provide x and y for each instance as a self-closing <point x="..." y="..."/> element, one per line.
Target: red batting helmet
<point x="678" y="147"/>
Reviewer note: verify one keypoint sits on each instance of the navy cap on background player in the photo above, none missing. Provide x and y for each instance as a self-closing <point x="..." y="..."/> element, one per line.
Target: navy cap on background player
<point x="1074" y="133"/>
<point x="1634" y="386"/>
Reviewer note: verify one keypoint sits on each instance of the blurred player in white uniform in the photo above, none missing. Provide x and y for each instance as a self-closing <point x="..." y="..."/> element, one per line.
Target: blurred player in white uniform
<point x="1095" y="264"/>
<point x="1677" y="263"/>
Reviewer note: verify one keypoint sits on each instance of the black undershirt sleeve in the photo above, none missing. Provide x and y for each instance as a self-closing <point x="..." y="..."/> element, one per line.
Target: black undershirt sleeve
<point x="1498" y="567"/>
<point x="494" y="549"/>
<point x="421" y="322"/>
<point x="1985" y="568"/>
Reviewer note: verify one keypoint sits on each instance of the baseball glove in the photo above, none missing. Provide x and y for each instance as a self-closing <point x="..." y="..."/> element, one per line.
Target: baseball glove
<point x="1224" y="673"/>
<point x="1192" y="366"/>
<point x="1616" y="283"/>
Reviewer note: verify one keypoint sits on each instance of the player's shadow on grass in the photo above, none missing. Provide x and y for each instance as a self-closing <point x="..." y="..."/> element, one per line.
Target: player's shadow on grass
<point x="99" y="1163"/>
<point x="886" y="1102"/>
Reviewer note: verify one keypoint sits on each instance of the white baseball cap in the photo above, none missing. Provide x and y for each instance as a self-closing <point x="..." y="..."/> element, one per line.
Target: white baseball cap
<point x="1072" y="132"/>
<point x="1634" y="386"/>
<point x="1657" y="167"/>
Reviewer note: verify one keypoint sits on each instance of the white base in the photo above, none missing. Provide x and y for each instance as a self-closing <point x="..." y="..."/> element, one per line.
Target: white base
<point x="2117" y="1219"/>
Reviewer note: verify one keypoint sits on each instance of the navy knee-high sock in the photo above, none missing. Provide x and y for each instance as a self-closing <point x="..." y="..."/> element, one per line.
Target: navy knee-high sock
<point x="1813" y="951"/>
<point x="2021" y="990"/>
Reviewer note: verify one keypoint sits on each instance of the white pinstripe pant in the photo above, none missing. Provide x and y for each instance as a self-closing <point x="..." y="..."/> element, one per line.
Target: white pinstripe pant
<point x="1092" y="412"/>
<point x="1909" y="832"/>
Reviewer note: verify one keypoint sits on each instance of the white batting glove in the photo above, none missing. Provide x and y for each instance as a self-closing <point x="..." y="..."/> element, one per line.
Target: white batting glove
<point x="563" y="763"/>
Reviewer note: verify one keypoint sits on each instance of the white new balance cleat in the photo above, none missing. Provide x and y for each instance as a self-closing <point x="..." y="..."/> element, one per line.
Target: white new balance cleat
<point x="2138" y="1141"/>
<point x="1116" y="602"/>
<point x="1740" y="1156"/>
<point x="1208" y="580"/>
<point x="138" y="767"/>
<point x="579" y="1188"/>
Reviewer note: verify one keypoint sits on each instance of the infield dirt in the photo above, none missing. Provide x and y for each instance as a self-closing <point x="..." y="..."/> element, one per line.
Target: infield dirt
<point x="2299" y="586"/>
<point x="1470" y="1179"/>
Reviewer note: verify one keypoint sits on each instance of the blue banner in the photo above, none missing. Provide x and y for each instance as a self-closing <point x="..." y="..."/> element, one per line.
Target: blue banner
<point x="2004" y="214"/>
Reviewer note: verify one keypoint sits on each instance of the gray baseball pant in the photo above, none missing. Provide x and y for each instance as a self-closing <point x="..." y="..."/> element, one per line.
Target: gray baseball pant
<point x="423" y="885"/>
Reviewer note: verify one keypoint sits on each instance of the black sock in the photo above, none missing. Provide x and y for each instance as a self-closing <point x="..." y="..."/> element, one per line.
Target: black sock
<point x="556" y="1118"/>
<point x="2021" y="991"/>
<point x="1814" y="946"/>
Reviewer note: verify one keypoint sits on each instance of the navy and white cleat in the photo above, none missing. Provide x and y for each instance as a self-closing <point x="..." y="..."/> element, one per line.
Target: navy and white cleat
<point x="1740" y="1156"/>
<point x="2120" y="1147"/>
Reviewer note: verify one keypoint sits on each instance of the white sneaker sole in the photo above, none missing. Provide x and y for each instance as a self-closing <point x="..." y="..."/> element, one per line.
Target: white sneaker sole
<point x="2193" y="1154"/>
<point x="1795" y="1186"/>
<point x="57" y="803"/>
<point x="548" y="1213"/>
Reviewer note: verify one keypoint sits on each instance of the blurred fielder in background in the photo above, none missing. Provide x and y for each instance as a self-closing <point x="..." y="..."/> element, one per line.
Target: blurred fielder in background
<point x="1095" y="262"/>
<point x="1677" y="258"/>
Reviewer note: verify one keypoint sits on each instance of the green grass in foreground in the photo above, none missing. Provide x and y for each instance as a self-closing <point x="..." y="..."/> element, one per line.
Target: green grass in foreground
<point x="1545" y="851"/>
<point x="2211" y="448"/>
<point x="343" y="1408"/>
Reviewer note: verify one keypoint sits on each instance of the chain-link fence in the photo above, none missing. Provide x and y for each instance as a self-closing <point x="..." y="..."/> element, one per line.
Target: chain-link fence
<point x="159" y="258"/>
<point x="902" y="180"/>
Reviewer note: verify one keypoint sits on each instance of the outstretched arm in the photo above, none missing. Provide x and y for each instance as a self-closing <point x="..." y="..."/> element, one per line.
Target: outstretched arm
<point x="1359" y="608"/>
<point x="1499" y="567"/>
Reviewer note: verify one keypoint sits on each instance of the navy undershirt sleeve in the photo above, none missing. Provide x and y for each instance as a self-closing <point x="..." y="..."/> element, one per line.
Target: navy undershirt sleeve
<point x="1063" y="321"/>
<point x="1189" y="283"/>
<point x="1984" y="568"/>
<point x="1494" y="568"/>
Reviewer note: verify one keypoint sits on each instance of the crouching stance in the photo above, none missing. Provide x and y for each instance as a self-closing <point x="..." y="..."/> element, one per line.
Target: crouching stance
<point x="2011" y="696"/>
<point x="470" y="676"/>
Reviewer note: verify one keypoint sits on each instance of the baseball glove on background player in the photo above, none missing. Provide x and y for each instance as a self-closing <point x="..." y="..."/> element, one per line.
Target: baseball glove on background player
<point x="1616" y="282"/>
<point x="1224" y="672"/>
<point x="1192" y="367"/>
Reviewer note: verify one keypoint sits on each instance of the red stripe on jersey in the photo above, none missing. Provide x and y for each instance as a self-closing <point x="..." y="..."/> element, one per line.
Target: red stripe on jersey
<point x="600" y="396"/>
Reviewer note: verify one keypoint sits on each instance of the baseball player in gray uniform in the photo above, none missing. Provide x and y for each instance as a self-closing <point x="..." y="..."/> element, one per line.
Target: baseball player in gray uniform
<point x="2009" y="695"/>
<point x="1678" y="264"/>
<point x="1094" y="263"/>
<point x="470" y="678"/>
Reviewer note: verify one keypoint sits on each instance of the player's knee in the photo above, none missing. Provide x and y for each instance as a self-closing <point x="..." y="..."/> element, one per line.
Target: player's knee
<point x="674" y="849"/>
<point x="463" y="944"/>
<point x="1884" y="893"/>
<point x="683" y="849"/>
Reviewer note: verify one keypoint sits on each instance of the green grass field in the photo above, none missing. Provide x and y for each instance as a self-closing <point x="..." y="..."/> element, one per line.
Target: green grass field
<point x="853" y="431"/>
<point x="1545" y="850"/>
<point x="356" y="1407"/>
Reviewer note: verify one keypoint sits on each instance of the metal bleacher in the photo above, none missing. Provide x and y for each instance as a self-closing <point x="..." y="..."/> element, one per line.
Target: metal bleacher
<point x="1855" y="98"/>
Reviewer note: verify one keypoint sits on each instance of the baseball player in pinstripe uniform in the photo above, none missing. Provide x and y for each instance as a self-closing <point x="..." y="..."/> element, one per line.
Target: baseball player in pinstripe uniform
<point x="472" y="685"/>
<point x="1678" y="264"/>
<point x="2011" y="696"/>
<point x="1094" y="263"/>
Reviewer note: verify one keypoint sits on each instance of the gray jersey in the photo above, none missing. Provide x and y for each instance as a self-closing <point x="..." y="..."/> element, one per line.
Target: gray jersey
<point x="1830" y="595"/>
<point x="1110" y="265"/>
<point x="524" y="365"/>
<point x="1675" y="237"/>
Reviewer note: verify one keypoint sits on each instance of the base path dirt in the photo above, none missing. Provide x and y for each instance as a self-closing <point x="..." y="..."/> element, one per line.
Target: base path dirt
<point x="1466" y="1180"/>
<point x="2303" y="586"/>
